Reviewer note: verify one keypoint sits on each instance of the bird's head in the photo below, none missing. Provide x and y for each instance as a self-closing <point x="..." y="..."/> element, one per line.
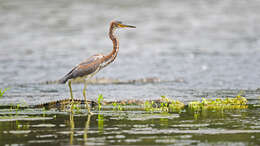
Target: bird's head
<point x="119" y="24"/>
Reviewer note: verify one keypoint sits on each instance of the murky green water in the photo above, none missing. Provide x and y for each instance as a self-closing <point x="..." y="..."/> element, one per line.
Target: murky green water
<point x="130" y="127"/>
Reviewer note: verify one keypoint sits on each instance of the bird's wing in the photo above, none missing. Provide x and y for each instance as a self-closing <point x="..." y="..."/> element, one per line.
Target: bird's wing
<point x="86" y="67"/>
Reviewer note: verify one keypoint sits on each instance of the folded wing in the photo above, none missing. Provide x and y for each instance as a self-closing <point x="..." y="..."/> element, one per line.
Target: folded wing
<point x="85" y="68"/>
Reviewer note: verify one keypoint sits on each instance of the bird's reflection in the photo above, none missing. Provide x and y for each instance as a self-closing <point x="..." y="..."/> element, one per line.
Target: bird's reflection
<point x="72" y="128"/>
<point x="85" y="136"/>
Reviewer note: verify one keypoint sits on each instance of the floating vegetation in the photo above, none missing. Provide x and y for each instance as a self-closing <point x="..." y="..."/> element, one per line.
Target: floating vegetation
<point x="163" y="105"/>
<point x="2" y="92"/>
<point x="238" y="102"/>
<point x="117" y="106"/>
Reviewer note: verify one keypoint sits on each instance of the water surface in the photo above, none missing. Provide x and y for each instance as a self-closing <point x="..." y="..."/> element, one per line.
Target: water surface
<point x="108" y="127"/>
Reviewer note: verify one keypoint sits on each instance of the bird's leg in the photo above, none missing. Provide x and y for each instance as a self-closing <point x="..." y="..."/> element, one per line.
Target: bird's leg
<point x="71" y="96"/>
<point x="85" y="98"/>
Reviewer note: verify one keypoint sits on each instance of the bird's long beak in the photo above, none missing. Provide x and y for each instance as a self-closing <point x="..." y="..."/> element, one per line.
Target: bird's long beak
<point x="123" y="25"/>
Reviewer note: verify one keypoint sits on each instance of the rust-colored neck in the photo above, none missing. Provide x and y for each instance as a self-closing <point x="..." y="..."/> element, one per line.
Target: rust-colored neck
<point x="112" y="55"/>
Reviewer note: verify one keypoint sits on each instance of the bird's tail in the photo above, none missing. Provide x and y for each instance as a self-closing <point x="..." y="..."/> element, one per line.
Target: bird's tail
<point x="64" y="79"/>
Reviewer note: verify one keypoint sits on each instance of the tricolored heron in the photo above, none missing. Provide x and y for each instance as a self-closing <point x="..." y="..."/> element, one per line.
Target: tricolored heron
<point x="95" y="63"/>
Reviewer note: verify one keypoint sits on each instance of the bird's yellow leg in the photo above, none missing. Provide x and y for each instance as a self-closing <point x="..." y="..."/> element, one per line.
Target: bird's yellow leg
<point x="71" y="96"/>
<point x="85" y="98"/>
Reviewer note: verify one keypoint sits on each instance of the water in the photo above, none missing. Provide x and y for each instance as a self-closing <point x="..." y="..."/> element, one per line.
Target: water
<point x="211" y="46"/>
<point x="131" y="128"/>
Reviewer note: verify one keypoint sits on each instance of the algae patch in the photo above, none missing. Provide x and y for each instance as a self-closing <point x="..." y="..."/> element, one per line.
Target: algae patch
<point x="163" y="105"/>
<point x="238" y="102"/>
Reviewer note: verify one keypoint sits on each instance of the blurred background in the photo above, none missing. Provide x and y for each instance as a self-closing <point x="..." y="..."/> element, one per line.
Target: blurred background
<point x="209" y="45"/>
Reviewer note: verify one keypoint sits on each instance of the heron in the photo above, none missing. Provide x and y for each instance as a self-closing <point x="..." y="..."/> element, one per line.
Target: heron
<point x="88" y="68"/>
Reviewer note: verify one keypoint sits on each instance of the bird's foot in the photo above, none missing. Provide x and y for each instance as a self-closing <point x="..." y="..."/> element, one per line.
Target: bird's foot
<point x="90" y="113"/>
<point x="87" y="107"/>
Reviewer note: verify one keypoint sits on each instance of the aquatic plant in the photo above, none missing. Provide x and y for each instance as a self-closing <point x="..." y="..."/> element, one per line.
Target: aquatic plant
<point x="100" y="123"/>
<point x="100" y="101"/>
<point x="77" y="107"/>
<point x="2" y="91"/>
<point x="117" y="106"/>
<point x="238" y="102"/>
<point x="17" y="108"/>
<point x="164" y="105"/>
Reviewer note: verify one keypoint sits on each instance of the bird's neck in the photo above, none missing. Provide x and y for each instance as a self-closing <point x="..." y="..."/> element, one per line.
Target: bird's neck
<point x="115" y="41"/>
<point x="112" y="55"/>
